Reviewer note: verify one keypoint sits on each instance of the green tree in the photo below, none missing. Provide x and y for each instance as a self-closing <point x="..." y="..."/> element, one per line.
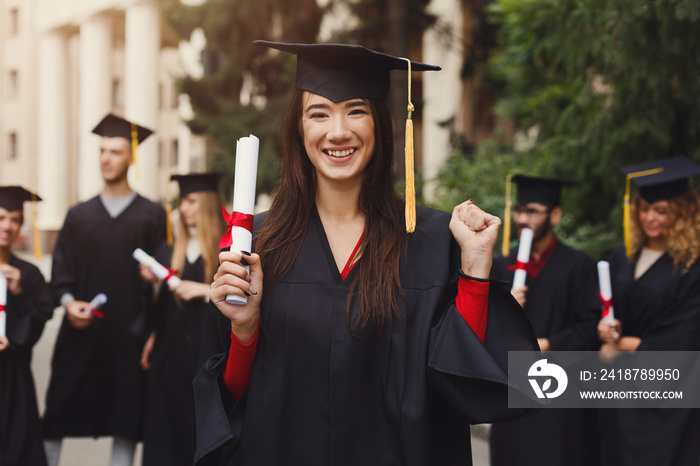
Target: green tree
<point x="603" y="83"/>
<point x="232" y="65"/>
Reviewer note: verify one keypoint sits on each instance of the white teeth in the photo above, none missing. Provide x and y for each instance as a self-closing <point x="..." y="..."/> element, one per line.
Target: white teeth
<point x="340" y="153"/>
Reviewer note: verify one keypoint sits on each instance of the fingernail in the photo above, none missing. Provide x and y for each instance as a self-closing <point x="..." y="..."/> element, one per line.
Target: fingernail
<point x="245" y="253"/>
<point x="243" y="261"/>
<point x="470" y="200"/>
<point x="253" y="292"/>
<point x="246" y="293"/>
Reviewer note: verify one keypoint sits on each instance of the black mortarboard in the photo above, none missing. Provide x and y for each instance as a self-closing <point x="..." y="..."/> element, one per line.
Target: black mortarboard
<point x="538" y="189"/>
<point x="13" y="197"/>
<point x="113" y="126"/>
<point x="662" y="179"/>
<point x="342" y="71"/>
<point x="196" y="182"/>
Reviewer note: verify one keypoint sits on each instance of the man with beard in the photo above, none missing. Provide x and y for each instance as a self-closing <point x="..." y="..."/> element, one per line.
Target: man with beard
<point x="560" y="299"/>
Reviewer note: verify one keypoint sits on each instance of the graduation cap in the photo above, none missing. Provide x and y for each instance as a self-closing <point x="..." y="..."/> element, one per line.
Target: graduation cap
<point x="12" y="198"/>
<point x="530" y="189"/>
<point x="196" y="182"/>
<point x="657" y="180"/>
<point x="343" y="71"/>
<point x="113" y="126"/>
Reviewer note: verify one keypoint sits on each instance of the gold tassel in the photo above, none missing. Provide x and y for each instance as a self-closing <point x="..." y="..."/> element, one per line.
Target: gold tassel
<point x="35" y="227"/>
<point x="410" y="181"/>
<point x="134" y="146"/>
<point x="168" y="223"/>
<point x="505" y="250"/>
<point x="626" y="207"/>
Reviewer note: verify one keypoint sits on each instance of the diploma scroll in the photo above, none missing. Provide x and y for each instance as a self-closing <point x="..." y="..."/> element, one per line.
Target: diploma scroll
<point x="244" y="200"/>
<point x="95" y="305"/>
<point x="3" y="303"/>
<point x="523" y="258"/>
<point x="160" y="271"/>
<point x="605" y="290"/>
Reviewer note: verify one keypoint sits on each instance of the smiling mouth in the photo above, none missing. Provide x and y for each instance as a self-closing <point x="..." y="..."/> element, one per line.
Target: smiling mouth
<point x="339" y="154"/>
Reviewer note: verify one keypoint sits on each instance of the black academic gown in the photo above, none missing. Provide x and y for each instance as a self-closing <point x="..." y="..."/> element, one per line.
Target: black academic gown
<point x="20" y="430"/>
<point x="662" y="307"/>
<point x="169" y="433"/>
<point x="321" y="396"/>
<point x="563" y="306"/>
<point x="97" y="384"/>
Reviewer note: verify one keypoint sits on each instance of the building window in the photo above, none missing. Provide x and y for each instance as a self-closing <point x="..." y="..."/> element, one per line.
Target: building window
<point x="176" y="148"/>
<point x="175" y="96"/>
<point x="13" y="151"/>
<point x="13" y="85"/>
<point x="116" y="93"/>
<point x="161" y="157"/>
<point x="14" y="22"/>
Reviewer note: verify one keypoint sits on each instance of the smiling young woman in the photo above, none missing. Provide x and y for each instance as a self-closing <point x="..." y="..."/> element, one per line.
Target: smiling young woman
<point x="366" y="332"/>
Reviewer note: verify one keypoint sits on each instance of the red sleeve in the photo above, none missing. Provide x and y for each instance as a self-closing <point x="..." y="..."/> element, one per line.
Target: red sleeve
<point x="239" y="366"/>
<point x="472" y="304"/>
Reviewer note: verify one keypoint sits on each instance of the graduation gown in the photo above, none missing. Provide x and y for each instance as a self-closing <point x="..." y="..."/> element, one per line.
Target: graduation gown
<point x="169" y="432"/>
<point x="97" y="384"/>
<point x="20" y="430"/>
<point x="662" y="307"/>
<point x="563" y="306"/>
<point x="320" y="395"/>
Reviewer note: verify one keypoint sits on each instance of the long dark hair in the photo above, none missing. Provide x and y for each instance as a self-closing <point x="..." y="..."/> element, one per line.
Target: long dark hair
<point x="278" y="242"/>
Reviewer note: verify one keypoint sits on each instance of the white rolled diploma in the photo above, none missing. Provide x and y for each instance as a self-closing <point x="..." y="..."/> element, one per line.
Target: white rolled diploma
<point x="523" y="257"/>
<point x="3" y="303"/>
<point x="96" y="303"/>
<point x="244" y="198"/>
<point x="605" y="287"/>
<point x="159" y="271"/>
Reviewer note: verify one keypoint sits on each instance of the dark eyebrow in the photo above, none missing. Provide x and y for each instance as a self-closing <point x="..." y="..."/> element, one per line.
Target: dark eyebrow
<point x="353" y="103"/>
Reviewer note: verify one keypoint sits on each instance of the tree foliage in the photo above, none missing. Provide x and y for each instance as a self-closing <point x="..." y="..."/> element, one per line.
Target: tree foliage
<point x="603" y="83"/>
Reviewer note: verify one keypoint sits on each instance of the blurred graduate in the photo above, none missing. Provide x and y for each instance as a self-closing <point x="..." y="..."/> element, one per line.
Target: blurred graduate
<point x="24" y="309"/>
<point x="97" y="384"/>
<point x="170" y="355"/>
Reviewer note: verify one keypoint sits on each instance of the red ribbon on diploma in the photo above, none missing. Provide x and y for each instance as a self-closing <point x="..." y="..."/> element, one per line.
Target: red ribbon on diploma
<point x="171" y="273"/>
<point x="234" y="219"/>
<point x="607" y="304"/>
<point x="2" y="307"/>
<point x="96" y="312"/>
<point x="518" y="266"/>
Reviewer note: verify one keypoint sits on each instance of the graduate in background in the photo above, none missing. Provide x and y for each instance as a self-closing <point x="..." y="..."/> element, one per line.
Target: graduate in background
<point x="171" y="352"/>
<point x="27" y="310"/>
<point x="96" y="386"/>
<point x="655" y="282"/>
<point x="361" y="348"/>
<point x="560" y="299"/>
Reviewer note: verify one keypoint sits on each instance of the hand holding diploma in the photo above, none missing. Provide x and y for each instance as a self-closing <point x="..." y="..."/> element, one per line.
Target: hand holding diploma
<point x="167" y="275"/>
<point x="523" y="258"/>
<point x="240" y="222"/>
<point x="609" y="327"/>
<point x="95" y="305"/>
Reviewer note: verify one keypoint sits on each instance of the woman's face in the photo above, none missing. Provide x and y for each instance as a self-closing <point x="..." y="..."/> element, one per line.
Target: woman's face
<point x="10" y="224"/>
<point x="338" y="137"/>
<point x="189" y="207"/>
<point x="653" y="218"/>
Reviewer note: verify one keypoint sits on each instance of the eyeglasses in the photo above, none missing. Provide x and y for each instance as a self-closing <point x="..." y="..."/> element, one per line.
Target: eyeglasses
<point x="529" y="212"/>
